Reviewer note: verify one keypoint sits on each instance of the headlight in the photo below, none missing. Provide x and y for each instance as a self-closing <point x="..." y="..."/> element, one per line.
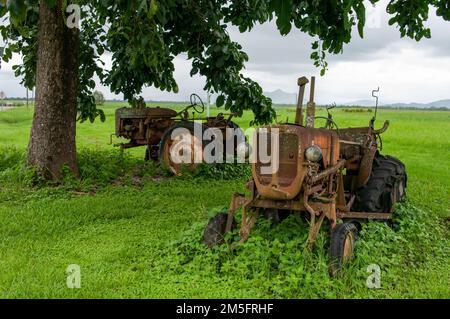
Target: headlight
<point x="313" y="153"/>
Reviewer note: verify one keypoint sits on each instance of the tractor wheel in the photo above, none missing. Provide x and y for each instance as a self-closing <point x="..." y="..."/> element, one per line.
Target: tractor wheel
<point x="386" y="186"/>
<point x="240" y="136"/>
<point x="215" y="230"/>
<point x="185" y="141"/>
<point x="272" y="215"/>
<point x="342" y="246"/>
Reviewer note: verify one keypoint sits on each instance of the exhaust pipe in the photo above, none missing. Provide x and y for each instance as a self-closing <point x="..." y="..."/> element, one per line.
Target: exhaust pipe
<point x="301" y="92"/>
<point x="311" y="106"/>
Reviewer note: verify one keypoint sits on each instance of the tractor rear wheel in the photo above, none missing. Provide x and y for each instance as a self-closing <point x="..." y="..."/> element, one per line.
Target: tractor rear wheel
<point x="180" y="146"/>
<point x="238" y="139"/>
<point x="342" y="246"/>
<point x="214" y="231"/>
<point x="386" y="186"/>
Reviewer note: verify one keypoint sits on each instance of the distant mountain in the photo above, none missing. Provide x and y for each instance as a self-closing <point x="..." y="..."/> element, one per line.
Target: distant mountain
<point x="370" y="103"/>
<point x="282" y="97"/>
<point x="440" y="103"/>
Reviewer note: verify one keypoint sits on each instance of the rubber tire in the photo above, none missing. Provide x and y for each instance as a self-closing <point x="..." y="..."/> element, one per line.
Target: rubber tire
<point x="386" y="183"/>
<point x="167" y="136"/>
<point x="337" y="241"/>
<point x="233" y="125"/>
<point x="272" y="215"/>
<point x="215" y="229"/>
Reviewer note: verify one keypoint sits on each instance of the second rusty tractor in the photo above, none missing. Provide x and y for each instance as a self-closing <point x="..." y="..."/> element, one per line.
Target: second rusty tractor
<point x="331" y="173"/>
<point x="162" y="129"/>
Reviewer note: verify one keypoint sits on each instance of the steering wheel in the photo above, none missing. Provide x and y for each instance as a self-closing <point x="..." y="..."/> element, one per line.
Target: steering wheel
<point x="197" y="103"/>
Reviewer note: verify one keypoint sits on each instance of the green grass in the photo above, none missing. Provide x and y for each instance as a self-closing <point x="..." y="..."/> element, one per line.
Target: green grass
<point x="135" y="232"/>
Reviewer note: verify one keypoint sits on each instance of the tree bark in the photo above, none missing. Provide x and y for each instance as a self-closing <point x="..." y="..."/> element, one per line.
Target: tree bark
<point x="52" y="140"/>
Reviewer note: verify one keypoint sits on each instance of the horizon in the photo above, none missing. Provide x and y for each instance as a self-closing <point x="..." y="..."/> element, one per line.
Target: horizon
<point x="350" y="104"/>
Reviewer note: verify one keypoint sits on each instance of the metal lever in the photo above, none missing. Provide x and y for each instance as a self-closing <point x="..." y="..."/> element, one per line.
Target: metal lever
<point x="311" y="107"/>
<point x="376" y="105"/>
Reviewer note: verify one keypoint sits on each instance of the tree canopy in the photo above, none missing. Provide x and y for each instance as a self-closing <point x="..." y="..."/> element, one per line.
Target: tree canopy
<point x="144" y="36"/>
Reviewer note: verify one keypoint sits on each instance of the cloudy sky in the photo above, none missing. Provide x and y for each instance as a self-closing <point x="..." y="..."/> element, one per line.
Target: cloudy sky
<point x="405" y="70"/>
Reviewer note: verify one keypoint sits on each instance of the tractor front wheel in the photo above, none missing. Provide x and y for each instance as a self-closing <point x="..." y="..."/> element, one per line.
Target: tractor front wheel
<point x="272" y="215"/>
<point x="342" y="246"/>
<point x="215" y="230"/>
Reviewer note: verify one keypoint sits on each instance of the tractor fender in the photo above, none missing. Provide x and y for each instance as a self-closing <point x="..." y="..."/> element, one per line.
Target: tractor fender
<point x="383" y="129"/>
<point x="365" y="168"/>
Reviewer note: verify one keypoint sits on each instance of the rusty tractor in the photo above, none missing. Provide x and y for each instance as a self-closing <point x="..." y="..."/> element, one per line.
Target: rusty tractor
<point x="331" y="173"/>
<point x="156" y="128"/>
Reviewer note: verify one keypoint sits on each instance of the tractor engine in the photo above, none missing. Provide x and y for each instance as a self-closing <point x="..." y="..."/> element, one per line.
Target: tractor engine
<point x="301" y="152"/>
<point x="298" y="154"/>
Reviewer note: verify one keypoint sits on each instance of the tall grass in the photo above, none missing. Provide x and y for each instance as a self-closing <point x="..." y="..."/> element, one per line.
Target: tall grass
<point x="136" y="231"/>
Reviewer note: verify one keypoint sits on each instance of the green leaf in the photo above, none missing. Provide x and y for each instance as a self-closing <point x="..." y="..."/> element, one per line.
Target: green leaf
<point x="220" y="100"/>
<point x="283" y="11"/>
<point x="153" y="7"/>
<point x="392" y="20"/>
<point x="18" y="10"/>
<point x="361" y="28"/>
<point x="102" y="115"/>
<point x="142" y="6"/>
<point x="50" y="3"/>
<point x="361" y="15"/>
<point x="194" y="71"/>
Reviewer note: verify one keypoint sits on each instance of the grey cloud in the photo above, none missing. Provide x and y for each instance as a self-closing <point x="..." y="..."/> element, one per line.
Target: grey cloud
<point x="10" y="85"/>
<point x="266" y="47"/>
<point x="276" y="61"/>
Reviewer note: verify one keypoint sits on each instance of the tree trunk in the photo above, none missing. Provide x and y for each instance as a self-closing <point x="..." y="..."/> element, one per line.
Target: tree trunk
<point x="52" y="139"/>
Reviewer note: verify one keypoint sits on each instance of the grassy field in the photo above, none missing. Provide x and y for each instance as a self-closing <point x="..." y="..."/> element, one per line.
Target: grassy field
<point x="135" y="231"/>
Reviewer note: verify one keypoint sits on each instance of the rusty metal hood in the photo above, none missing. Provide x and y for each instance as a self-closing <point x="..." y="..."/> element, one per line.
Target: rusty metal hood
<point x="154" y="112"/>
<point x="284" y="180"/>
